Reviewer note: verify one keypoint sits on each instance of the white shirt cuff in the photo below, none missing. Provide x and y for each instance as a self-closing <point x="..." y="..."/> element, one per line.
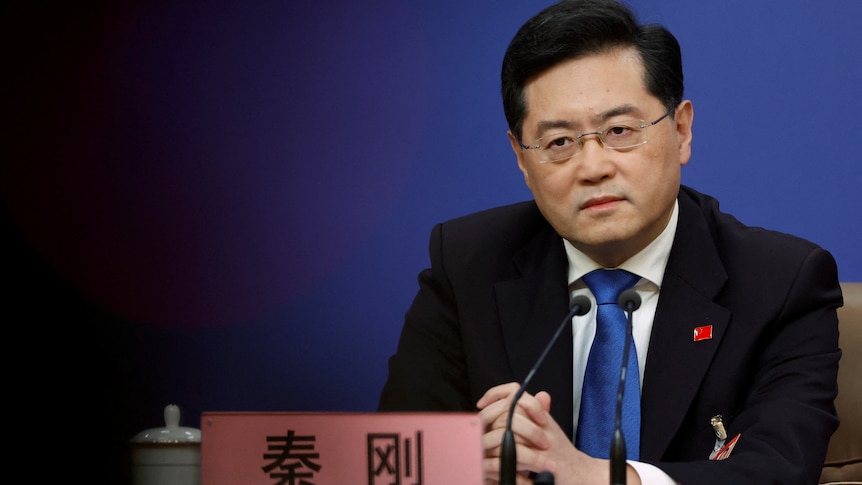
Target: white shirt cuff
<point x="651" y="475"/>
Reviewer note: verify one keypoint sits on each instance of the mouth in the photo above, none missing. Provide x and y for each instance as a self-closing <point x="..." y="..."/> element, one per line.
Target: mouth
<point x="601" y="203"/>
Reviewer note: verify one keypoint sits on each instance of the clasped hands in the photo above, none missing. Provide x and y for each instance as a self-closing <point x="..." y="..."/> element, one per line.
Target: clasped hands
<point x="540" y="442"/>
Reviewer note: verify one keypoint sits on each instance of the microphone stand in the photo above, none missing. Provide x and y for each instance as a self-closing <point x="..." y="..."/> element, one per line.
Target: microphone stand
<point x="508" y="455"/>
<point x="630" y="301"/>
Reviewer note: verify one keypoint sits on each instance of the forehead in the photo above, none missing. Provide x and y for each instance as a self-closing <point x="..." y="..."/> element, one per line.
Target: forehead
<point x="587" y="89"/>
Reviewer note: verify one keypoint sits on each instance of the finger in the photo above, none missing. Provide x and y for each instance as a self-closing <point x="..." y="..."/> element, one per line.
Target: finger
<point x="529" y="433"/>
<point x="542" y="414"/>
<point x="530" y="459"/>
<point x="491" y="471"/>
<point x="496" y="414"/>
<point x="497" y="393"/>
<point x="491" y="410"/>
<point x="536" y="409"/>
<point x="492" y="443"/>
<point x="528" y="422"/>
<point x="545" y="399"/>
<point x="525" y="431"/>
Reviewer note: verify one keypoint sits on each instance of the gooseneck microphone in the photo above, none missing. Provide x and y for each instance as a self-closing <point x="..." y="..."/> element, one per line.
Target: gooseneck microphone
<point x="629" y="301"/>
<point x="508" y="458"/>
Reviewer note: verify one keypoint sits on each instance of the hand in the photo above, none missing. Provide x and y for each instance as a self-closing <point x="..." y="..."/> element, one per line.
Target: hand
<point x="541" y="445"/>
<point x="530" y="414"/>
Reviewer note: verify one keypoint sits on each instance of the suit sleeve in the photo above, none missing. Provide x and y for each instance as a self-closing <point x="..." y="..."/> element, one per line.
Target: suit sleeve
<point x="788" y="415"/>
<point x="428" y="370"/>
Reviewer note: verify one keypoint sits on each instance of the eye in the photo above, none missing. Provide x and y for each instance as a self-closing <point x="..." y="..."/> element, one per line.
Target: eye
<point x="559" y="142"/>
<point x="621" y="132"/>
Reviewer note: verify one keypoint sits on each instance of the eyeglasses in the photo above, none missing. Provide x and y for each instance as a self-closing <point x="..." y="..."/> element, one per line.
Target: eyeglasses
<point x="560" y="146"/>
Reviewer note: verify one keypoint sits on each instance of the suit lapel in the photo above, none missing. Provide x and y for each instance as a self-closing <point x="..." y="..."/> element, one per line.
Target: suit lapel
<point x="676" y="361"/>
<point x="531" y="309"/>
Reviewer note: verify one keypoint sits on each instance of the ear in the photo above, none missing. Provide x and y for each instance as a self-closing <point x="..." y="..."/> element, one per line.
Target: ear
<point x="519" y="155"/>
<point x="684" y="118"/>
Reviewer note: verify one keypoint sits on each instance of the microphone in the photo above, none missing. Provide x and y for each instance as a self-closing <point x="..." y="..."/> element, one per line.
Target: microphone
<point x="508" y="459"/>
<point x="629" y="301"/>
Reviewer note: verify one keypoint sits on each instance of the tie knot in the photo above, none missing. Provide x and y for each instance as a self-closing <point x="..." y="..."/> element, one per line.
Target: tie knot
<point x="608" y="284"/>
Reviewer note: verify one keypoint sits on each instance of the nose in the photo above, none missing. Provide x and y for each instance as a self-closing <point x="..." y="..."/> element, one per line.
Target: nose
<point x="595" y="163"/>
<point x="597" y="135"/>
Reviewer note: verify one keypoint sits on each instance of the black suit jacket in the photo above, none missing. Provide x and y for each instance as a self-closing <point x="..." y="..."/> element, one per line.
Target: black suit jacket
<point x="496" y="291"/>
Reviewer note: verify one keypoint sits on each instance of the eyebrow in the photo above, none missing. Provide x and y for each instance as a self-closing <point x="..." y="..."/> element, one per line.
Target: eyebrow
<point x="544" y="126"/>
<point x="624" y="109"/>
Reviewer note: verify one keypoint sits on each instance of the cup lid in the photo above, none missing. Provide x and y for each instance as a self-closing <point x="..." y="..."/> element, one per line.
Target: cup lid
<point x="171" y="433"/>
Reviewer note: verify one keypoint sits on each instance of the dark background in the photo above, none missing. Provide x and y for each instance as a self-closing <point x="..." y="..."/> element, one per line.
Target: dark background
<point x="224" y="205"/>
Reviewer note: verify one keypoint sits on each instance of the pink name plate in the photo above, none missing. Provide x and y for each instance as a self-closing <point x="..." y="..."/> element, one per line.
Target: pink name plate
<point x="248" y="448"/>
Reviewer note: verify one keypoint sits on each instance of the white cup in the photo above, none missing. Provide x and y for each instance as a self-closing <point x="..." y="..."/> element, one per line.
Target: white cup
<point x="169" y="455"/>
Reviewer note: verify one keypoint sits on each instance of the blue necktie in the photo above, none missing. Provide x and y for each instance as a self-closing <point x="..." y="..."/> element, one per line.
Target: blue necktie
<point x="602" y="376"/>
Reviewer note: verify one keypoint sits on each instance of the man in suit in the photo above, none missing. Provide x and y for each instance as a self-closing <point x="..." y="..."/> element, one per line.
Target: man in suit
<point x="735" y="321"/>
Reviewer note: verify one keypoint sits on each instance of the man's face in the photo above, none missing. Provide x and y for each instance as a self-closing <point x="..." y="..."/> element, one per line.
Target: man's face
<point x="608" y="203"/>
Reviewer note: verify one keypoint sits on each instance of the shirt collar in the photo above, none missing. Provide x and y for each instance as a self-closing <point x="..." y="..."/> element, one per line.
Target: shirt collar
<point x="649" y="263"/>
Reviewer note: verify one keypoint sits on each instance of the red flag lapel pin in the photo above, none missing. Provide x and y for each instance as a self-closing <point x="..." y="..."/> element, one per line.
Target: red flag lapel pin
<point x="703" y="333"/>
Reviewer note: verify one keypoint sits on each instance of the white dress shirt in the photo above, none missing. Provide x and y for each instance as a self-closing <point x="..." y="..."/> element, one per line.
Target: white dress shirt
<point x="649" y="264"/>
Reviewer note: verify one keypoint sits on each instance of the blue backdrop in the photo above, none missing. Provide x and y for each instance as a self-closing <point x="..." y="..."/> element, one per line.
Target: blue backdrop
<point x="224" y="205"/>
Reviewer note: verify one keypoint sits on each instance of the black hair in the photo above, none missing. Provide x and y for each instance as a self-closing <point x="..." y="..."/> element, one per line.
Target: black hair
<point x="572" y="29"/>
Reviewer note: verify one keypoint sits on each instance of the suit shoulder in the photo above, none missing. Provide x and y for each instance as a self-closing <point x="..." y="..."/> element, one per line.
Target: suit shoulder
<point x="727" y="228"/>
<point x="747" y="246"/>
<point x="493" y="237"/>
<point x="526" y="209"/>
<point x="503" y="222"/>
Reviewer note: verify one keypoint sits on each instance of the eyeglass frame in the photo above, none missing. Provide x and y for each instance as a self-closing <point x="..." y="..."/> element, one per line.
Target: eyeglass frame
<point x="600" y="133"/>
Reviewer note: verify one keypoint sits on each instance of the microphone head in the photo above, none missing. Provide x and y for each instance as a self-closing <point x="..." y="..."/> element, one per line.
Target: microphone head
<point x="581" y="305"/>
<point x="629" y="300"/>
